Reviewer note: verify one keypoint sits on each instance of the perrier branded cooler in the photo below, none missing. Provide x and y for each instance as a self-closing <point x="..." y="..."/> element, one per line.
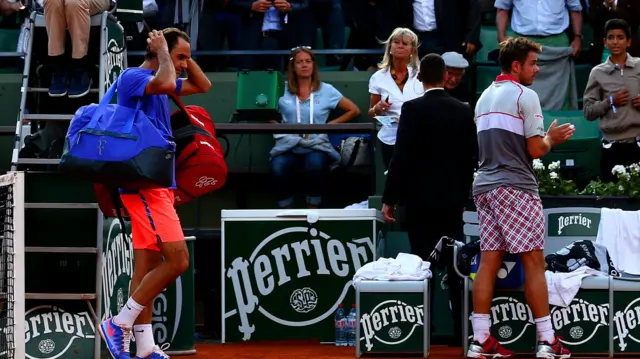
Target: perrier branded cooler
<point x="391" y="317"/>
<point x="286" y="271"/>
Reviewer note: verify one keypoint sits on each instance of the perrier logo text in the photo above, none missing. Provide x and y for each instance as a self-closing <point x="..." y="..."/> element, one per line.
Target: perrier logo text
<point x="577" y="219"/>
<point x="50" y="332"/>
<point x="627" y="322"/>
<point x="295" y="262"/>
<point x="390" y="322"/>
<point x="582" y="318"/>
<point x="510" y="319"/>
<point x="117" y="268"/>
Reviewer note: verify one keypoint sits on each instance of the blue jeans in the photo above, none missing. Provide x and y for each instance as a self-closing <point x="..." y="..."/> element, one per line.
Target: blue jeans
<point x="315" y="166"/>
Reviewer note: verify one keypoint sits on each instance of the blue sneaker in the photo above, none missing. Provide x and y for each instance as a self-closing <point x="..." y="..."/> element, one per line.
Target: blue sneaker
<point x="58" y="87"/>
<point x="80" y="83"/>
<point x="117" y="339"/>
<point x="157" y="353"/>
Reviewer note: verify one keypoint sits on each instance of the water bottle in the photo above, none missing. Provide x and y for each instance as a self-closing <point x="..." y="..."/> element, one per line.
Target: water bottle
<point x="340" y="321"/>
<point x="352" y="322"/>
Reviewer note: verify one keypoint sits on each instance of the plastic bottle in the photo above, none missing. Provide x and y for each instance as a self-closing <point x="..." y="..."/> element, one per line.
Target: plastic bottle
<point x="340" y="321"/>
<point x="352" y="322"/>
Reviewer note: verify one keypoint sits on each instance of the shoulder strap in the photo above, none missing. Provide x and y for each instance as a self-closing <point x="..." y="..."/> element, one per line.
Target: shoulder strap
<point x="190" y="130"/>
<point x="106" y="99"/>
<point x="178" y="102"/>
<point x="118" y="206"/>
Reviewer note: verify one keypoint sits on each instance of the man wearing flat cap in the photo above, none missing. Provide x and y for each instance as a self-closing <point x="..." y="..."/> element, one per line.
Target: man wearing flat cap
<point x="456" y="66"/>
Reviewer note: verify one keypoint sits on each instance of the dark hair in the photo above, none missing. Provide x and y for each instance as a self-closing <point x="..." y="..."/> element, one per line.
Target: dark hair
<point x="516" y="49"/>
<point x="432" y="69"/>
<point x="172" y="35"/>
<point x="617" y="24"/>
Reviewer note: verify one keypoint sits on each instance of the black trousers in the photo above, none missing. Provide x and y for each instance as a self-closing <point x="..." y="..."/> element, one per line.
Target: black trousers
<point x="425" y="227"/>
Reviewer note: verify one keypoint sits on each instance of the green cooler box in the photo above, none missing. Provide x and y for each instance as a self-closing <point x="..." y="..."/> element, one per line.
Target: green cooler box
<point x="391" y="317"/>
<point x="580" y="155"/>
<point x="512" y="323"/>
<point x="259" y="91"/>
<point x="626" y="317"/>
<point x="173" y="310"/>
<point x="286" y="271"/>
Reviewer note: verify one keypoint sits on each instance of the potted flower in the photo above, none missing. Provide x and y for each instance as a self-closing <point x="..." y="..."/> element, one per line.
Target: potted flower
<point x="550" y="181"/>
<point x="627" y="184"/>
<point x="556" y="191"/>
<point x="617" y="194"/>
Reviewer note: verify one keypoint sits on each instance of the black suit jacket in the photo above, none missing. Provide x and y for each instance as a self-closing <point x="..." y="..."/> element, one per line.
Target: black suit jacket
<point x="435" y="154"/>
<point x="458" y="21"/>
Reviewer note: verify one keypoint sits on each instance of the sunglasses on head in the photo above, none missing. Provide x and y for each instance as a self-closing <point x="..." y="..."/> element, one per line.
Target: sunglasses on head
<point x="296" y="49"/>
<point x="300" y="48"/>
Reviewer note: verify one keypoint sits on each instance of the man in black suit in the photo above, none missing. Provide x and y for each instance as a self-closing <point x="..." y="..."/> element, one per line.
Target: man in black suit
<point x="431" y="170"/>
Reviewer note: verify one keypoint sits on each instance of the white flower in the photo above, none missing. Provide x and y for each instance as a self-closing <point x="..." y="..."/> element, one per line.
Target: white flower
<point x="553" y="175"/>
<point x="621" y="188"/>
<point x="553" y="166"/>
<point x="538" y="165"/>
<point x="618" y="169"/>
<point x="635" y="168"/>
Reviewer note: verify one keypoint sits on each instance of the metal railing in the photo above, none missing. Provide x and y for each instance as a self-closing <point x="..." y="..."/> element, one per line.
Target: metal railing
<point x="270" y="128"/>
<point x="275" y="52"/>
<point x="197" y="53"/>
<point x="12" y="54"/>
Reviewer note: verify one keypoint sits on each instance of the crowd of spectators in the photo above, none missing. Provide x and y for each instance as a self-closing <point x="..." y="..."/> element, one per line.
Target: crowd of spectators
<point x="451" y="25"/>
<point x="441" y="25"/>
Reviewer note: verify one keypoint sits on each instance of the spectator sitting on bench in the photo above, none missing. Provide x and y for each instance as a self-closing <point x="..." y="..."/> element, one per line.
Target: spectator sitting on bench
<point x="76" y="16"/>
<point x="306" y="101"/>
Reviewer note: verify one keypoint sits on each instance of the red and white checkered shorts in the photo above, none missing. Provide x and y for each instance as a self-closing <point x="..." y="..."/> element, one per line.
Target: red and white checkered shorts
<point x="510" y="220"/>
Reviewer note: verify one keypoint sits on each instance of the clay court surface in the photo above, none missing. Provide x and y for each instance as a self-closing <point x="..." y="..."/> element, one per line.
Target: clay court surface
<point x="298" y="350"/>
<point x="295" y="350"/>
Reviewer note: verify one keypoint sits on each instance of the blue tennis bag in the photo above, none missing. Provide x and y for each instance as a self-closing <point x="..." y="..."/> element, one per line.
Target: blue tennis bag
<point x="118" y="146"/>
<point x="510" y="275"/>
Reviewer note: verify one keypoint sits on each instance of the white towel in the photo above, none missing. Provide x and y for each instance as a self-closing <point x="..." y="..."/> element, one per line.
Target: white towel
<point x="362" y="205"/>
<point x="619" y="232"/>
<point x="403" y="267"/>
<point x="563" y="287"/>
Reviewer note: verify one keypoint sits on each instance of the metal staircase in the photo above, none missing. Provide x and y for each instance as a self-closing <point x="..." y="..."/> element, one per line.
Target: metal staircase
<point x="62" y="188"/>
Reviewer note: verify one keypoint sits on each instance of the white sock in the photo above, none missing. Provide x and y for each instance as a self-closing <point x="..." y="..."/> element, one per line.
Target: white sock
<point x="129" y="313"/>
<point x="545" y="329"/>
<point x="481" y="327"/>
<point x="144" y="339"/>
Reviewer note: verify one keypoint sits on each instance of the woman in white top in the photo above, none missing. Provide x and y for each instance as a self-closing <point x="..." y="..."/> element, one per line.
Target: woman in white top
<point x="395" y="82"/>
